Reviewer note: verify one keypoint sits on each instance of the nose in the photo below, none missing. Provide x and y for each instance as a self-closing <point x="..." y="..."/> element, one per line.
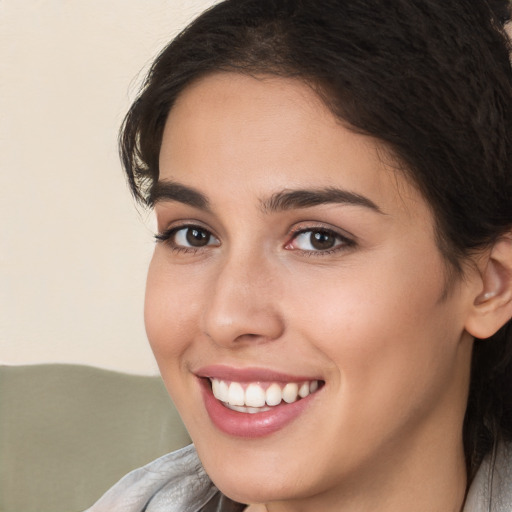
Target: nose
<point x="243" y="303"/>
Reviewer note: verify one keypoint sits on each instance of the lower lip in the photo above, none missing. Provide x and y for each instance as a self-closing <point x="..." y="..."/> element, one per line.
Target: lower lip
<point x="255" y="425"/>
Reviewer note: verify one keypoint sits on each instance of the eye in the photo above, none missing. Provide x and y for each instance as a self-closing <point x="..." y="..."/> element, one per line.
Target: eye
<point x="318" y="240"/>
<point x="188" y="237"/>
<point x="192" y="237"/>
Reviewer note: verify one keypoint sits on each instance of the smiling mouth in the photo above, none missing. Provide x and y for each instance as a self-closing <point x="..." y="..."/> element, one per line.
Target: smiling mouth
<point x="257" y="397"/>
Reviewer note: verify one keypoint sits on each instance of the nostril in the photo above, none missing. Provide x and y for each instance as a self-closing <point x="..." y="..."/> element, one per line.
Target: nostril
<point x="251" y="337"/>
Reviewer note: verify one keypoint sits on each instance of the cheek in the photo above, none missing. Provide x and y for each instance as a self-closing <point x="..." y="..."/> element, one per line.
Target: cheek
<point x="369" y="302"/>
<point x="170" y="310"/>
<point x="170" y="315"/>
<point x="384" y="329"/>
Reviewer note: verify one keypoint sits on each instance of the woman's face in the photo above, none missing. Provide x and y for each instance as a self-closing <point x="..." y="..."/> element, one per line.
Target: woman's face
<point x="293" y="259"/>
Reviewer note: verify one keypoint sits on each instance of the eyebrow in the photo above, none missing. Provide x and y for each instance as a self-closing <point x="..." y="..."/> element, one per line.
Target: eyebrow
<point x="172" y="191"/>
<point x="296" y="199"/>
<point x="165" y="190"/>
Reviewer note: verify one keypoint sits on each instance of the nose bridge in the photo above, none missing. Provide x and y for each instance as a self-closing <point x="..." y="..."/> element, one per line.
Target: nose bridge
<point x="242" y="302"/>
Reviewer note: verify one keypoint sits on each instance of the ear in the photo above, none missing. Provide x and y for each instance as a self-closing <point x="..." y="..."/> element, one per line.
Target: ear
<point x="492" y="306"/>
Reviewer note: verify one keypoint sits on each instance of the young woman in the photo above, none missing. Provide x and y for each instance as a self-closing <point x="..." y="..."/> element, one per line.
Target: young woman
<point x="330" y="296"/>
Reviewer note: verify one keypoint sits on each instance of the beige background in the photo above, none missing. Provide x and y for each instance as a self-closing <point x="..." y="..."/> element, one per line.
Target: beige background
<point x="73" y="249"/>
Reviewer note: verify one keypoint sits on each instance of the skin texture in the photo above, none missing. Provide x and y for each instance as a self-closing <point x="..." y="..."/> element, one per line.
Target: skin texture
<point x="367" y="317"/>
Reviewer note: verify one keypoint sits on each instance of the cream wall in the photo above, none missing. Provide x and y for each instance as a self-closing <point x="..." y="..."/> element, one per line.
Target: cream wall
<point x="73" y="249"/>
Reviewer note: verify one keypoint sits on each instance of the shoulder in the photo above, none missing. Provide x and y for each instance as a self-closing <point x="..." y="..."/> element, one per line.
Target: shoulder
<point x="491" y="490"/>
<point x="175" y="482"/>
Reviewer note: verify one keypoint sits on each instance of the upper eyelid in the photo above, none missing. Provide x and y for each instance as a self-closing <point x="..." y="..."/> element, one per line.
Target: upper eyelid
<point x="167" y="237"/>
<point x="346" y="240"/>
<point x="166" y="234"/>
<point x="320" y="226"/>
<point x="192" y="221"/>
<point x="183" y="224"/>
<point x="293" y="232"/>
<point x="314" y="230"/>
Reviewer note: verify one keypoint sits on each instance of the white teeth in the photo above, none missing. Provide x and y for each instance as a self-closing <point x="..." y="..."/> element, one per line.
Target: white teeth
<point x="273" y="395"/>
<point x="250" y="410"/>
<point x="215" y="388"/>
<point x="236" y="394"/>
<point x="290" y="392"/>
<point x="255" y="398"/>
<point x="304" y="390"/>
<point x="220" y="390"/>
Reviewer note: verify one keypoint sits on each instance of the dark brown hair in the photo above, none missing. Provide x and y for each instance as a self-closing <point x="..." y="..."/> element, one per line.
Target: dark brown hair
<point x="431" y="79"/>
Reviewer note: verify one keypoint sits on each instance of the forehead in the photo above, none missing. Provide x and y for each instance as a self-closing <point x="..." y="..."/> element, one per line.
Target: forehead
<point x="271" y="133"/>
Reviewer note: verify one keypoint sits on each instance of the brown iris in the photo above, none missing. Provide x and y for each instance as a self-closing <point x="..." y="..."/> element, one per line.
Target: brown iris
<point x="322" y="240"/>
<point x="197" y="237"/>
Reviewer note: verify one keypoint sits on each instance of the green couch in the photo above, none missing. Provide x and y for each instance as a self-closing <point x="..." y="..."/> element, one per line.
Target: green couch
<point x="68" y="432"/>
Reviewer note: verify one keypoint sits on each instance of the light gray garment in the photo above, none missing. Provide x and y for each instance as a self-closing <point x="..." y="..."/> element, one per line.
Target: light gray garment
<point x="491" y="490"/>
<point x="177" y="482"/>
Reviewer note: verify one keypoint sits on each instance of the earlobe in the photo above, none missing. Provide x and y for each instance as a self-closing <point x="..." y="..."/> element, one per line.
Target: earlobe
<point x="492" y="306"/>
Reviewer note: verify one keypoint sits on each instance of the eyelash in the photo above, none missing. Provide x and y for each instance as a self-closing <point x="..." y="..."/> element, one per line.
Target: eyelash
<point x="344" y="243"/>
<point x="167" y="237"/>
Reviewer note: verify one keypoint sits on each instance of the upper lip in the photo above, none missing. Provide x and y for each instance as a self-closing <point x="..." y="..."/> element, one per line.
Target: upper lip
<point x="249" y="374"/>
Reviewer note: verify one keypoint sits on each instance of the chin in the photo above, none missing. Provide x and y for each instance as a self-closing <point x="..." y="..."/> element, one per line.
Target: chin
<point x="255" y="474"/>
<point x="252" y="488"/>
